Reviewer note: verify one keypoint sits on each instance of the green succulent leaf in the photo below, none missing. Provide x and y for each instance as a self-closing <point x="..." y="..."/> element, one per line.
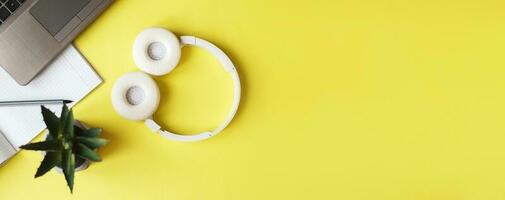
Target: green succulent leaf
<point x="52" y="122"/>
<point x="51" y="146"/>
<point x="68" y="165"/>
<point x="93" y="132"/>
<point x="50" y="160"/>
<point x="84" y="152"/>
<point x="63" y="116"/>
<point x="92" y="143"/>
<point x="68" y="127"/>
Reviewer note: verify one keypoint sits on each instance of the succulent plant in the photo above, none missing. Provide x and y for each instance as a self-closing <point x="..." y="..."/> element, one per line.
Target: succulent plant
<point x="67" y="146"/>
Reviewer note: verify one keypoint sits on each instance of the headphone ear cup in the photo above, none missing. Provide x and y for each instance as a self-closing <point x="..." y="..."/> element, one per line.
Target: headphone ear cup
<point x="135" y="96"/>
<point x="156" y="65"/>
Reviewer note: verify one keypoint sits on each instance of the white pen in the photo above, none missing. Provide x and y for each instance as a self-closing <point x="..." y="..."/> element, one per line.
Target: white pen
<point x="34" y="102"/>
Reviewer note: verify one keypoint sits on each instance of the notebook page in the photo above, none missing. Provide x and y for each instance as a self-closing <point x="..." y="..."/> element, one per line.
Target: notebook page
<point x="6" y="149"/>
<point x="68" y="77"/>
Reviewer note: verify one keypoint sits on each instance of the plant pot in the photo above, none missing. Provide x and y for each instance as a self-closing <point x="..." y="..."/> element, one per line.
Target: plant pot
<point x="80" y="163"/>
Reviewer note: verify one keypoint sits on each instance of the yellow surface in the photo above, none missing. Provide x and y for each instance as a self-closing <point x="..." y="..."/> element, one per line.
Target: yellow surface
<point x="343" y="99"/>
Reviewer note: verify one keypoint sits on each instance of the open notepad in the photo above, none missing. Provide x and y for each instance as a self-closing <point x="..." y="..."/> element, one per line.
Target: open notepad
<point x="68" y="77"/>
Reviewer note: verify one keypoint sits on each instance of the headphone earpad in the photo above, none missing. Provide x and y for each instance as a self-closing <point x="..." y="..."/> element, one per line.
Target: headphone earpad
<point x="135" y="96"/>
<point x="156" y="65"/>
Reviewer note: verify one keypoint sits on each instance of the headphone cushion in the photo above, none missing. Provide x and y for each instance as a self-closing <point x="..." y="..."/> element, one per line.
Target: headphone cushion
<point x="167" y="62"/>
<point x="150" y="97"/>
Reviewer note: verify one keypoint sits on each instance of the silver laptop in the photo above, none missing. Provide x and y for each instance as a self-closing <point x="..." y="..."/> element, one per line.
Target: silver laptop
<point x="34" y="32"/>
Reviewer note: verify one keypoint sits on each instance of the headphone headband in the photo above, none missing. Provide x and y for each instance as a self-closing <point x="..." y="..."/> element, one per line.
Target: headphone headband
<point x="230" y="68"/>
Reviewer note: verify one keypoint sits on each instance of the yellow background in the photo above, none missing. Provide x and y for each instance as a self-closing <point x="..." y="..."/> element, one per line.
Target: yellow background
<point x="343" y="99"/>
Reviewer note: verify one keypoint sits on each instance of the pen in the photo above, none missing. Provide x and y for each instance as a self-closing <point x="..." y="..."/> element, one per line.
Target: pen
<point x="34" y="102"/>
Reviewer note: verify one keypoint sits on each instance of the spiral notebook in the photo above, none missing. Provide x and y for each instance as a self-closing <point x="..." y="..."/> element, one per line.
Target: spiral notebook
<point x="68" y="77"/>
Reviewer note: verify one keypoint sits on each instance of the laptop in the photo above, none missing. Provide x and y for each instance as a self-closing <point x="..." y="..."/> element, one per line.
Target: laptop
<point x="34" y="32"/>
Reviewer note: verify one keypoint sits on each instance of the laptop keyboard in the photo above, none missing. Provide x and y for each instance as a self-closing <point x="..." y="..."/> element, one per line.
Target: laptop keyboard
<point x="8" y="7"/>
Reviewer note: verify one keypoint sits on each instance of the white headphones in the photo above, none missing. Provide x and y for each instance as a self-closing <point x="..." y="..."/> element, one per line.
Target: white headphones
<point x="157" y="51"/>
